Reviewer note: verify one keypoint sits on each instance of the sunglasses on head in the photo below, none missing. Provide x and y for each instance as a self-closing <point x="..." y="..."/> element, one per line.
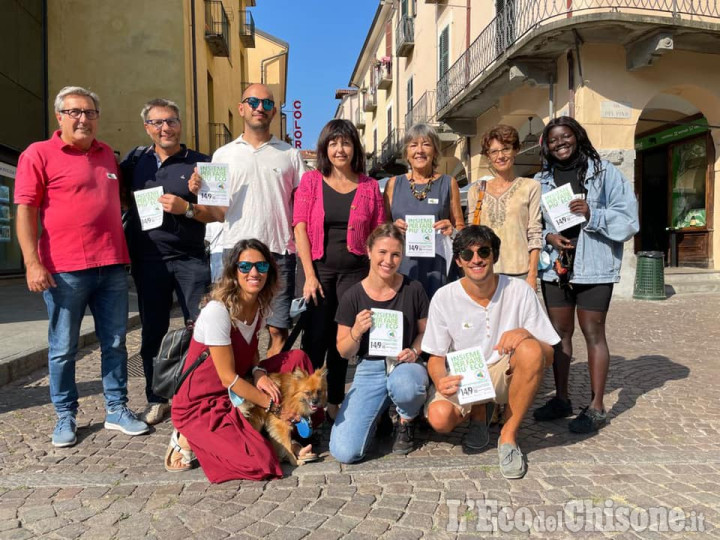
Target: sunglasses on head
<point x="267" y="103"/>
<point x="468" y="254"/>
<point x="246" y="266"/>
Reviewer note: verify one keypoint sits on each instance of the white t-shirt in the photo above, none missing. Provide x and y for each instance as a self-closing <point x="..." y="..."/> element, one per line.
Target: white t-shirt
<point x="214" y="236"/>
<point x="457" y="322"/>
<point x="213" y="326"/>
<point x="261" y="185"/>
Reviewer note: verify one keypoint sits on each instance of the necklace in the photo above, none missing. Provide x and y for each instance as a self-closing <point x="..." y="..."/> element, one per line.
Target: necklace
<point x="420" y="195"/>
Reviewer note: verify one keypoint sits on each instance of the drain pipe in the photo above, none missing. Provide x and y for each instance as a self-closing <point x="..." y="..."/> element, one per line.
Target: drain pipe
<point x="196" y="125"/>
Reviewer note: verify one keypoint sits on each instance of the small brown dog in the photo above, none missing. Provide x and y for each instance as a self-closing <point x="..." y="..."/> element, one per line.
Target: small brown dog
<point x="302" y="395"/>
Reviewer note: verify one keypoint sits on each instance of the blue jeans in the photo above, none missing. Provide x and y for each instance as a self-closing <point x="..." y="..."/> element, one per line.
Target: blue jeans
<point x="370" y="394"/>
<point x="189" y="279"/>
<point x="105" y="291"/>
<point x="280" y="316"/>
<point x="216" y="266"/>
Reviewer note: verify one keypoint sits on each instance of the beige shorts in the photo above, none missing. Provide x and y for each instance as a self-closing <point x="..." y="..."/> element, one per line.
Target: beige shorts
<point x="500" y="376"/>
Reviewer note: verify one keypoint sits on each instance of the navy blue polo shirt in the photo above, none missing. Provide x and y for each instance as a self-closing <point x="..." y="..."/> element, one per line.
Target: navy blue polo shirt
<point x="178" y="236"/>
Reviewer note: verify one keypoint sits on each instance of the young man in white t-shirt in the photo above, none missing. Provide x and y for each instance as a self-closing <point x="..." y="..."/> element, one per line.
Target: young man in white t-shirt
<point x="504" y="317"/>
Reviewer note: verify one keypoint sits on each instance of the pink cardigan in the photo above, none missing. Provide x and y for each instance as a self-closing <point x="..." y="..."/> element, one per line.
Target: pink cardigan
<point x="366" y="212"/>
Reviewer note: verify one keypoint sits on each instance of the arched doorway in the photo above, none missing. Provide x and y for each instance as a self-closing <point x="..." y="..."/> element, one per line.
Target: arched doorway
<point x="674" y="170"/>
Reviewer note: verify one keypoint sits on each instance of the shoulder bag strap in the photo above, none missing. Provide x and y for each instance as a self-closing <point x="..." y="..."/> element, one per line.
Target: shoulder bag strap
<point x="188" y="371"/>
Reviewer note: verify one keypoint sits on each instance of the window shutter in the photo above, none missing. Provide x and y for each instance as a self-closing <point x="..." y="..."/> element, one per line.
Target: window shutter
<point x="388" y="39"/>
<point x="444" y="50"/>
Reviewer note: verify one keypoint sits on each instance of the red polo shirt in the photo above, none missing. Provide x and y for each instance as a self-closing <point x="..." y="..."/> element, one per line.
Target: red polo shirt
<point x="78" y="198"/>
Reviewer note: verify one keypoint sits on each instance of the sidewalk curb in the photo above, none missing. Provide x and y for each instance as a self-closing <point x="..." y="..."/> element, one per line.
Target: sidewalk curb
<point x="24" y="364"/>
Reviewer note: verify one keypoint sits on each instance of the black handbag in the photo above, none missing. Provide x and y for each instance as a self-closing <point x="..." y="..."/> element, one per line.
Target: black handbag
<point x="168" y="374"/>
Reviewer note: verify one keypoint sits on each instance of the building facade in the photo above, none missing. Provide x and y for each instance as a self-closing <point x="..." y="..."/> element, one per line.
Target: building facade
<point x="636" y="73"/>
<point x="201" y="54"/>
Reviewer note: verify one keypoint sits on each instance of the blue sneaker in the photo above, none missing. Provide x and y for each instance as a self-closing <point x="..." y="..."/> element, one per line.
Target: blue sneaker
<point x="123" y="419"/>
<point x="64" y="433"/>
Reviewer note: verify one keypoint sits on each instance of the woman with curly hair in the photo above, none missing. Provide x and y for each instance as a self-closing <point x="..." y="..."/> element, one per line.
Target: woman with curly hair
<point x="509" y="205"/>
<point x="585" y="259"/>
<point x="204" y="411"/>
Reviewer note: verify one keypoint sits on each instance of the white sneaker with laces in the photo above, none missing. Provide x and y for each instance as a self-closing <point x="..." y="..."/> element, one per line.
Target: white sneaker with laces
<point x="155" y="413"/>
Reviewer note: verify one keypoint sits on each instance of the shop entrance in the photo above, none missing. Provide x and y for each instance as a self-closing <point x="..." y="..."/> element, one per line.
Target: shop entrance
<point x="675" y="153"/>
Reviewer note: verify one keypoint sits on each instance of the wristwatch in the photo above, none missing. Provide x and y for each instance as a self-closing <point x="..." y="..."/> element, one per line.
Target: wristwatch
<point x="190" y="211"/>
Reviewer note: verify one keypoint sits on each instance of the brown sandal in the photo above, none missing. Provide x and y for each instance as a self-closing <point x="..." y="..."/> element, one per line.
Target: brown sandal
<point x="177" y="458"/>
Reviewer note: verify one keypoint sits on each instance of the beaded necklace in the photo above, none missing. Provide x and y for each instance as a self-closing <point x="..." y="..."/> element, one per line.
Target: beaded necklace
<point x="420" y="195"/>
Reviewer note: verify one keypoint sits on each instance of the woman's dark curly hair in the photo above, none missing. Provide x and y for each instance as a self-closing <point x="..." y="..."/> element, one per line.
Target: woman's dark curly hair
<point x="502" y="133"/>
<point x="585" y="151"/>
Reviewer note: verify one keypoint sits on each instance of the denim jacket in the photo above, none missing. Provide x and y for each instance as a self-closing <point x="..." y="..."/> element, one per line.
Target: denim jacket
<point x="613" y="220"/>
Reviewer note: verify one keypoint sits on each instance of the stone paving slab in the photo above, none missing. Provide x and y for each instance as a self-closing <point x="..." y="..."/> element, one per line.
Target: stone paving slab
<point x="660" y="451"/>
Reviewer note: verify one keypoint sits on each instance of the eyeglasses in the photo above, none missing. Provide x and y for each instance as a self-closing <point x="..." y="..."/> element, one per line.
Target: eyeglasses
<point x="267" y="103"/>
<point x="172" y="123"/>
<point x="468" y="254"/>
<point x="246" y="266"/>
<point x="492" y="154"/>
<point x="75" y="114"/>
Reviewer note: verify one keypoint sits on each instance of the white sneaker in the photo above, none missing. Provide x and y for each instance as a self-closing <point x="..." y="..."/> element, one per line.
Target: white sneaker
<point x="155" y="413"/>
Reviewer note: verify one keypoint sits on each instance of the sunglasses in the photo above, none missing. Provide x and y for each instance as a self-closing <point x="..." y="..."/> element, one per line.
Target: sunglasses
<point x="468" y="254"/>
<point x="246" y="266"/>
<point x="267" y="103"/>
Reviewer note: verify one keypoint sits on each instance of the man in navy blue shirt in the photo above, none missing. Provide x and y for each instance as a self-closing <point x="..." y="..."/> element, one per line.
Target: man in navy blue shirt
<point x="169" y="258"/>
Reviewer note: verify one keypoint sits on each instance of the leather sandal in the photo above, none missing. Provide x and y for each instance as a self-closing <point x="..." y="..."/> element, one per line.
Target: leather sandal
<point x="305" y="458"/>
<point x="177" y="458"/>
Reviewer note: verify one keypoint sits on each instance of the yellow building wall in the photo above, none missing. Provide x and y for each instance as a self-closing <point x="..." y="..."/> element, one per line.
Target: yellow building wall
<point x="117" y="50"/>
<point x="226" y="73"/>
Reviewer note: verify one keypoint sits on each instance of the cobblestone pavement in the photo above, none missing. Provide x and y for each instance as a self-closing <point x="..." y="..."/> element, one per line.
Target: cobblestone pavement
<point x="660" y="450"/>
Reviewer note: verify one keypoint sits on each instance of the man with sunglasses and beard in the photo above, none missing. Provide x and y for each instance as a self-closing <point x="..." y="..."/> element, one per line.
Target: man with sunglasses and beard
<point x="264" y="173"/>
<point x="501" y="315"/>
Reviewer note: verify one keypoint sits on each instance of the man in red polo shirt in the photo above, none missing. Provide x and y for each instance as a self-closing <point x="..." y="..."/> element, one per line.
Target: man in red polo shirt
<point x="70" y="182"/>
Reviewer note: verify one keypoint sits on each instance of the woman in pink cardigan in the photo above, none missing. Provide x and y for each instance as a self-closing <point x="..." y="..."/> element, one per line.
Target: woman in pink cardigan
<point x="336" y="208"/>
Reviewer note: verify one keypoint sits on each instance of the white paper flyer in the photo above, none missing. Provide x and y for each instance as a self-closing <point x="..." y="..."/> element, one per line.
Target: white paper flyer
<point x="476" y="384"/>
<point x="149" y="209"/>
<point x="420" y="236"/>
<point x="386" y="333"/>
<point x="557" y="205"/>
<point x="214" y="184"/>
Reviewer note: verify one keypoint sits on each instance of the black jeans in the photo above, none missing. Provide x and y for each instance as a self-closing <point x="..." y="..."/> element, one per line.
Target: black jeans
<point x="189" y="278"/>
<point x="320" y="332"/>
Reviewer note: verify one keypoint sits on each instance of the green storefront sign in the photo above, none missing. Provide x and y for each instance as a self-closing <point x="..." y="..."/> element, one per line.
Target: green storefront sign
<point x="669" y="135"/>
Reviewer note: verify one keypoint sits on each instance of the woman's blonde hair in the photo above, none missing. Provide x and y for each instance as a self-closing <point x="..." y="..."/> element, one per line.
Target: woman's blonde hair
<point x="227" y="289"/>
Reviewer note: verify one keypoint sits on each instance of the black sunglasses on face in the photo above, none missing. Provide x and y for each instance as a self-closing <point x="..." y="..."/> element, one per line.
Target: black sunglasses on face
<point x="267" y="104"/>
<point x="468" y="254"/>
<point x="246" y="266"/>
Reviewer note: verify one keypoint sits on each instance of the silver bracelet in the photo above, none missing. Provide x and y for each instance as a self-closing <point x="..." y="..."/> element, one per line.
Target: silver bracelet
<point x="258" y="368"/>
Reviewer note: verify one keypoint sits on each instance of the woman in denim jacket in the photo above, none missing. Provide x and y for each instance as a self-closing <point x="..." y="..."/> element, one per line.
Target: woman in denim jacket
<point x="591" y="258"/>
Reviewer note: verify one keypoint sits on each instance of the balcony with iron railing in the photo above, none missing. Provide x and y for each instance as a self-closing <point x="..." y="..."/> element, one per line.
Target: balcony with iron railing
<point x="369" y="100"/>
<point x="423" y="110"/>
<point x="391" y="148"/>
<point x="217" y="28"/>
<point x="247" y="29"/>
<point x="220" y="135"/>
<point x="405" y="36"/>
<point x="625" y="22"/>
<point x="359" y="118"/>
<point x="383" y="74"/>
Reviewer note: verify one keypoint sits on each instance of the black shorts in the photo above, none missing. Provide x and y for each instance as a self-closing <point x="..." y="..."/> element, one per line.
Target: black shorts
<point x="586" y="297"/>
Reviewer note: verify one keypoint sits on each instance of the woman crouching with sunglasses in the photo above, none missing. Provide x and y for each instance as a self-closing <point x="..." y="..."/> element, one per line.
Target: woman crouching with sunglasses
<point x="209" y="426"/>
<point x="380" y="379"/>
